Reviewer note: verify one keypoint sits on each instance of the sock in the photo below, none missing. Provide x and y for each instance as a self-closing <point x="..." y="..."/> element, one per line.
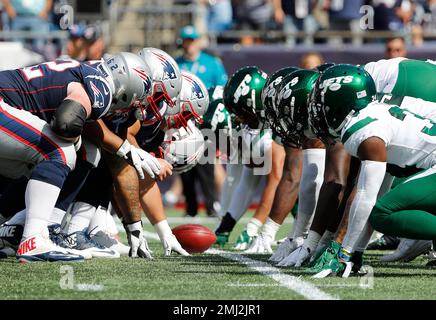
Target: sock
<point x="56" y="216"/>
<point x="40" y="201"/>
<point x="244" y="193"/>
<point x="253" y="227"/>
<point x="81" y="215"/>
<point x="326" y="238"/>
<point x="270" y="228"/>
<point x="364" y="238"/>
<point x="111" y="227"/>
<point x="99" y="221"/>
<point x="226" y="225"/>
<point x="18" y="218"/>
<point x="312" y="240"/>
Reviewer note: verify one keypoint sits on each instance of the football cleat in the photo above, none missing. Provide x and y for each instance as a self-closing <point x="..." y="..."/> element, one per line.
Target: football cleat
<point x="244" y="240"/>
<point x="330" y="252"/>
<point x="40" y="248"/>
<point x="10" y="236"/>
<point x="104" y="240"/>
<point x="81" y="241"/>
<point x="384" y="243"/>
<point x="7" y="252"/>
<point x="408" y="250"/>
<point x="222" y="238"/>
<point x="58" y="237"/>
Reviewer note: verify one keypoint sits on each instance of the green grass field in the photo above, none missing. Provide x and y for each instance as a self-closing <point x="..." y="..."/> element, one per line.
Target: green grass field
<point x="203" y="276"/>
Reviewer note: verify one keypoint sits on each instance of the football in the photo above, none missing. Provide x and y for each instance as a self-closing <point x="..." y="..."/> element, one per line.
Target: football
<point x="194" y="238"/>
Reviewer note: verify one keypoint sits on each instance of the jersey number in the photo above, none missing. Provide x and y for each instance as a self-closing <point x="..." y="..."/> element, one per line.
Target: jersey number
<point x="59" y="66"/>
<point x="400" y="114"/>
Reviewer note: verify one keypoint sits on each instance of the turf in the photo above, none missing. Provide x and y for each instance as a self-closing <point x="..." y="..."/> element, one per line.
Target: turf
<point x="201" y="277"/>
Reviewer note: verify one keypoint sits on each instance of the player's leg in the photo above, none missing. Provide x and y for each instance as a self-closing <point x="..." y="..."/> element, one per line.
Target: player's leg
<point x="233" y="175"/>
<point x="189" y="191"/>
<point x="242" y="197"/>
<point x="206" y="178"/>
<point x="25" y="138"/>
<point x="408" y="210"/>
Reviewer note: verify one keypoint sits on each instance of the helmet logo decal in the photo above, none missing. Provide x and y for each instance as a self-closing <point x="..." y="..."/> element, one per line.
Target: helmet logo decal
<point x="145" y="79"/>
<point x="197" y="93"/>
<point x="338" y="80"/>
<point x="243" y="88"/>
<point x="334" y="87"/>
<point x="294" y="81"/>
<point x="169" y="72"/>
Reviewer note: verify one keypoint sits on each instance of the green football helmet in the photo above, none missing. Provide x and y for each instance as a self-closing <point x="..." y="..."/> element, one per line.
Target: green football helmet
<point x="216" y="117"/>
<point x="339" y="92"/>
<point x="323" y="67"/>
<point x="292" y="105"/>
<point x="242" y="95"/>
<point x="269" y="94"/>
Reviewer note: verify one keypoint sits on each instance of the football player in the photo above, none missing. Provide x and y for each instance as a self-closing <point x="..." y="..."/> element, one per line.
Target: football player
<point x="382" y="136"/>
<point x="242" y="97"/>
<point x="44" y="110"/>
<point x="149" y="134"/>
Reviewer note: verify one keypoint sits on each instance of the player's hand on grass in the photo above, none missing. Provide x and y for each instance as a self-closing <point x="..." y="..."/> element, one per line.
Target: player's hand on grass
<point x="244" y="240"/>
<point x="138" y="245"/>
<point x="336" y="266"/>
<point x="168" y="239"/>
<point x="286" y="248"/>
<point x="297" y="258"/>
<point x="261" y="244"/>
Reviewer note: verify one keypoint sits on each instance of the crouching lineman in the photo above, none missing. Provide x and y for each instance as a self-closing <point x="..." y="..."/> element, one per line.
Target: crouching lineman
<point x="44" y="109"/>
<point x="381" y="136"/>
<point x="134" y="196"/>
<point x="242" y="97"/>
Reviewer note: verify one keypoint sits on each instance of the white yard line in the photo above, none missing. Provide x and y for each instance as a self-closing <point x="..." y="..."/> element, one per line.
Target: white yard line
<point x="306" y="289"/>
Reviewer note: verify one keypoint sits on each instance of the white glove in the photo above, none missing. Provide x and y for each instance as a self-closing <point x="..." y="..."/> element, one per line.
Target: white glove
<point x="140" y="159"/>
<point x="138" y="244"/>
<point x="286" y="248"/>
<point x="168" y="239"/>
<point x="261" y="244"/>
<point x="297" y="258"/>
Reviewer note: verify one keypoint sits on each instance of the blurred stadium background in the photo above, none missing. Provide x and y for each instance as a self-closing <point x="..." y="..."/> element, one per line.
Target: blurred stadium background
<point x="267" y="33"/>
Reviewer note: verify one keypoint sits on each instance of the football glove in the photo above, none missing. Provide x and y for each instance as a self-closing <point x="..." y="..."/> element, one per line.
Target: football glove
<point x="286" y="248"/>
<point x="261" y="244"/>
<point x="297" y="258"/>
<point x="168" y="239"/>
<point x="138" y="244"/>
<point x="140" y="159"/>
<point x="222" y="238"/>
<point x="244" y="240"/>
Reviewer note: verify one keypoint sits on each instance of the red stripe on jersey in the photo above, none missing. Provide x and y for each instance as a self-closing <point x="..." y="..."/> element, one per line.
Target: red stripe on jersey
<point x="33" y="91"/>
<point x="61" y="152"/>
<point x="27" y="143"/>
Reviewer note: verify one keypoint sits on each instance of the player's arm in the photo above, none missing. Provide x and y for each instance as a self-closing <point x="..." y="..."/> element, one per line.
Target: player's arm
<point x="272" y="181"/>
<point x="372" y="152"/>
<point x="70" y="116"/>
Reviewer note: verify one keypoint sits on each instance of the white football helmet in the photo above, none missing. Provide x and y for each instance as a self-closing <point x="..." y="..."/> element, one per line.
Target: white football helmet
<point x="192" y="102"/>
<point x="129" y="80"/>
<point x="167" y="82"/>
<point x="183" y="147"/>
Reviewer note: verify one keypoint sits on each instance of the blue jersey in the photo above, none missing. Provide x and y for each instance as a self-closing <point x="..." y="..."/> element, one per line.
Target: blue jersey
<point x="41" y="89"/>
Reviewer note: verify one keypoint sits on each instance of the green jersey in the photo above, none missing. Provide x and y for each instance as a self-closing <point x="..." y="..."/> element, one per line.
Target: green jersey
<point x="405" y="77"/>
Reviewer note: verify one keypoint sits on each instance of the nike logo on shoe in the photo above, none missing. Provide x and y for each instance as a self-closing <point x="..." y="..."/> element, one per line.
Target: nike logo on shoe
<point x="27" y="246"/>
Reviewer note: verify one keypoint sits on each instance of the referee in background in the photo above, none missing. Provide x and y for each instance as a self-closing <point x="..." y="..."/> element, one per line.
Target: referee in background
<point x="211" y="71"/>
